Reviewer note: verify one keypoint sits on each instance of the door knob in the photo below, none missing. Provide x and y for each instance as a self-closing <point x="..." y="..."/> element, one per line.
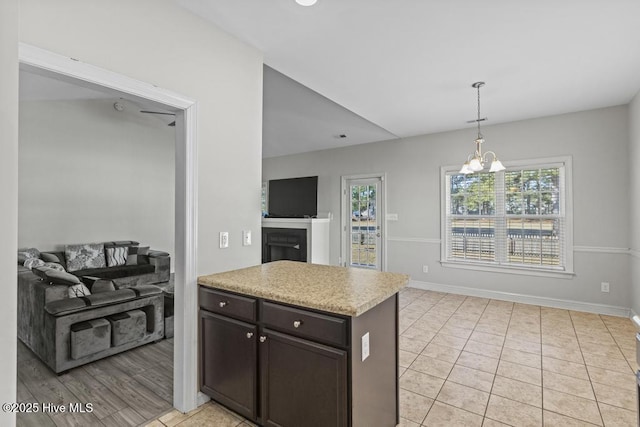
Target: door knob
<point x="263" y="338"/>
<point x="249" y="334"/>
<point x="222" y="304"/>
<point x="297" y="323"/>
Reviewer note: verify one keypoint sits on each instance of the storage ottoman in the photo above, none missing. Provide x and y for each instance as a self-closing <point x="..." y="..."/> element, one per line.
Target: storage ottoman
<point x="90" y="337"/>
<point x="127" y="327"/>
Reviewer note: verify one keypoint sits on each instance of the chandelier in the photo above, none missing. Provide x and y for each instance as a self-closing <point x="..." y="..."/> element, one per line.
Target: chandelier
<point x="476" y="161"/>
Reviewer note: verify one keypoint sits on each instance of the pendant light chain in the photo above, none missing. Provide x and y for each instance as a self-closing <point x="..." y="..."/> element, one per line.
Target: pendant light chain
<point x="479" y="133"/>
<point x="477" y="161"/>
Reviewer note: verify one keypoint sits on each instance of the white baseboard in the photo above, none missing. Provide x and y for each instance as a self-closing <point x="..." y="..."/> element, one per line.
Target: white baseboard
<point x="610" y="310"/>
<point x="202" y="398"/>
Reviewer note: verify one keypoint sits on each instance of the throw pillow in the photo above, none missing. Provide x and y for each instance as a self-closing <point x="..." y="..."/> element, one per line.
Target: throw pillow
<point x="79" y="290"/>
<point x="54" y="266"/>
<point x="26" y="254"/>
<point x="117" y="255"/>
<point x="49" y="257"/>
<point x="134" y="254"/>
<point x="80" y="257"/>
<point x="56" y="277"/>
<point x="41" y="271"/>
<point x="30" y="263"/>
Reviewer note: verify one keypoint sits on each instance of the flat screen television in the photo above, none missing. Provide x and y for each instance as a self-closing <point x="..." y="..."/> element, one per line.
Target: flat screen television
<point x="293" y="197"/>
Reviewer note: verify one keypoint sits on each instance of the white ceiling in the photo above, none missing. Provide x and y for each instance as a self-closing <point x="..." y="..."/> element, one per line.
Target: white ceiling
<point x="48" y="86"/>
<point x="407" y="66"/>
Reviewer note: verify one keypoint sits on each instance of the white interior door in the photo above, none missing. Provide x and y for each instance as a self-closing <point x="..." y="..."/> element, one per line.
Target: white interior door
<point x="363" y="222"/>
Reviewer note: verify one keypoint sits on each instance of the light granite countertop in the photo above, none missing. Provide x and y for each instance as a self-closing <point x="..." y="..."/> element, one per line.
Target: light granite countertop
<point x="339" y="290"/>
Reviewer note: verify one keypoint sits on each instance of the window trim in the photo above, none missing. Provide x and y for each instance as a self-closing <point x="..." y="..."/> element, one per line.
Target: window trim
<point x="566" y="201"/>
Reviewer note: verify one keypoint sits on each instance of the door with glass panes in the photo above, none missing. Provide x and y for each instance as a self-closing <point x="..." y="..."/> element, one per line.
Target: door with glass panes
<point x="363" y="223"/>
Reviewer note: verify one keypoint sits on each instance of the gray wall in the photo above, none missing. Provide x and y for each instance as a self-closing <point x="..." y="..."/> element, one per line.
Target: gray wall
<point x="598" y="143"/>
<point x="89" y="173"/>
<point x="9" y="197"/>
<point x="634" y="192"/>
<point x="158" y="42"/>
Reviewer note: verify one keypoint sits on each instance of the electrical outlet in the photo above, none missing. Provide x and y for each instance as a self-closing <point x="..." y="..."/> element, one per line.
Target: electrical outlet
<point x="425" y="268"/>
<point x="224" y="239"/>
<point x="246" y="237"/>
<point x="604" y="286"/>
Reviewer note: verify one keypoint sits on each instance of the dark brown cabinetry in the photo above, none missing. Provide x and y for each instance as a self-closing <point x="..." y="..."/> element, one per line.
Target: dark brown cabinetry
<point x="303" y="383"/>
<point x="230" y="372"/>
<point x="286" y="366"/>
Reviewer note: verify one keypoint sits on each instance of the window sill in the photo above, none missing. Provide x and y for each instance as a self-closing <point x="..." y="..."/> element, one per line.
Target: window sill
<point x="509" y="269"/>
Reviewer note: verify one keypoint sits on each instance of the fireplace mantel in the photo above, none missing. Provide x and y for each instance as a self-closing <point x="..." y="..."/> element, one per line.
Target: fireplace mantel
<point x="317" y="235"/>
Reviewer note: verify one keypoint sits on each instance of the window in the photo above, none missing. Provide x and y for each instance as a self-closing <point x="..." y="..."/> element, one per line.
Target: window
<point x="516" y="219"/>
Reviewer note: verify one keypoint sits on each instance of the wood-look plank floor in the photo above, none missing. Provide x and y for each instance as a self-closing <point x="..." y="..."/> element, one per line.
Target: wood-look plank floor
<point x="126" y="389"/>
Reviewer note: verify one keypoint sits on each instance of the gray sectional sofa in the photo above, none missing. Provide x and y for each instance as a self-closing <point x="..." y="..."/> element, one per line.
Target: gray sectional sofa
<point x="72" y="318"/>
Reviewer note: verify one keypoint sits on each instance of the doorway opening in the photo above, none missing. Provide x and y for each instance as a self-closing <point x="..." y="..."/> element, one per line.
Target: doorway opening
<point x="39" y="61"/>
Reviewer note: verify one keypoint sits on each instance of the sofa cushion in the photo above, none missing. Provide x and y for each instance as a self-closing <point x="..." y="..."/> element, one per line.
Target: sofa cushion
<point x="156" y="254"/>
<point x="96" y="284"/>
<point x="116" y="255"/>
<point x="40" y="271"/>
<point x="57" y="257"/>
<point x="117" y="272"/>
<point x="146" y="290"/>
<point x="70" y="305"/>
<point x="54" y="266"/>
<point x="121" y="243"/>
<point x="80" y="257"/>
<point x="61" y="277"/>
<point x="79" y="290"/>
<point x="135" y="255"/>
<point x="25" y="254"/>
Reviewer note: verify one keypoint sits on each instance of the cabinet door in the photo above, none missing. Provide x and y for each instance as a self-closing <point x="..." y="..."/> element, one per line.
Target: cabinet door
<point x="303" y="383"/>
<point x="228" y="362"/>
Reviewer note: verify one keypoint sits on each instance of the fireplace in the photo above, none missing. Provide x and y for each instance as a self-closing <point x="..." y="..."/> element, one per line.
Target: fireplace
<point x="284" y="244"/>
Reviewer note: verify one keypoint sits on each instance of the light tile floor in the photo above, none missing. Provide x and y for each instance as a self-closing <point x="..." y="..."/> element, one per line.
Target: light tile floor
<point x="467" y="361"/>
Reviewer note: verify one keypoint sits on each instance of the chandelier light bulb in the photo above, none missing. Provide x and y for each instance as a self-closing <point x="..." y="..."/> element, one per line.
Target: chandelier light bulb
<point x="306" y="2"/>
<point x="475" y="165"/>
<point x="496" y="166"/>
<point x="465" y="169"/>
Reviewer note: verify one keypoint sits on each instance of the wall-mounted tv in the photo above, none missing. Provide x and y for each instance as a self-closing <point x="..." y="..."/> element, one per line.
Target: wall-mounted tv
<point x="293" y="197"/>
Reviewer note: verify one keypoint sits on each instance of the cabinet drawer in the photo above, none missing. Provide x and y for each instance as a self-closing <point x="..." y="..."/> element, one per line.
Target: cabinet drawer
<point x="228" y="304"/>
<point x="306" y="324"/>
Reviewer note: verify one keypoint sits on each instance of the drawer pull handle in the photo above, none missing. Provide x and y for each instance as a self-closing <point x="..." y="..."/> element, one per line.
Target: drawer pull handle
<point x="249" y="334"/>
<point x="263" y="338"/>
<point x="297" y="323"/>
<point x="222" y="304"/>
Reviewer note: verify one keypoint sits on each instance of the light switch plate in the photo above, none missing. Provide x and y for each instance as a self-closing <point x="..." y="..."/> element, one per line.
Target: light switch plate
<point x="246" y="237"/>
<point x="224" y="239"/>
<point x="365" y="346"/>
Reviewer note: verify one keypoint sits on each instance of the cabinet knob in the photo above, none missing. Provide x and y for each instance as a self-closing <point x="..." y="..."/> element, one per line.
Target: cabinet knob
<point x="263" y="338"/>
<point x="249" y="334"/>
<point x="222" y="304"/>
<point x="297" y="323"/>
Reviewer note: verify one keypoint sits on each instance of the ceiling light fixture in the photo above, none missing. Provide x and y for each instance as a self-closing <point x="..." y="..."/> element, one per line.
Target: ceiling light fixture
<point x="477" y="162"/>
<point x="306" y="2"/>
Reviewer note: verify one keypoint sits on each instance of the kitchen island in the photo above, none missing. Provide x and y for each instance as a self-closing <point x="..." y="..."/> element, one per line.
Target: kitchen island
<point x="292" y="344"/>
